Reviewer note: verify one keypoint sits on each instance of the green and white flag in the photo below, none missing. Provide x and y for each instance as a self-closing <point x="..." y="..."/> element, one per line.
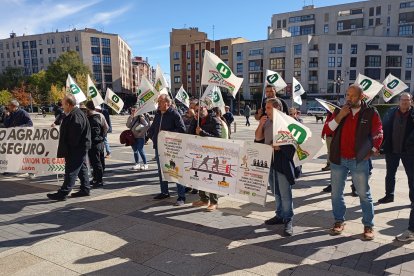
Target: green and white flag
<point x="183" y="97"/>
<point x="147" y="97"/>
<point x="274" y="79"/>
<point x="371" y="87"/>
<point x="216" y="72"/>
<point x="113" y="101"/>
<point x="298" y="91"/>
<point x="288" y="131"/>
<point x="160" y="81"/>
<point x="212" y="97"/>
<point x="94" y="93"/>
<point x="75" y="90"/>
<point x="392" y="87"/>
<point x="330" y="107"/>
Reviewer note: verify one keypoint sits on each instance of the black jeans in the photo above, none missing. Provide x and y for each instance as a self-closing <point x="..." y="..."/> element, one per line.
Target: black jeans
<point x="75" y="167"/>
<point x="97" y="160"/>
<point x="392" y="161"/>
<point x="247" y="121"/>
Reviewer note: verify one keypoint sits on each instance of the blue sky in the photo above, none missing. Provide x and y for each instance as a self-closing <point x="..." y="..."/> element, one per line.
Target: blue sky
<point x="146" y="25"/>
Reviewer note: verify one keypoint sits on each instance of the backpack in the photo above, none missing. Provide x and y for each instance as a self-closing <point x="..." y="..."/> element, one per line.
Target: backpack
<point x="97" y="132"/>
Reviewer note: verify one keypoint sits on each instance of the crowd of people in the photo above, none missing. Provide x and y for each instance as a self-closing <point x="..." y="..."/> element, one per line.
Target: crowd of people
<point x="354" y="135"/>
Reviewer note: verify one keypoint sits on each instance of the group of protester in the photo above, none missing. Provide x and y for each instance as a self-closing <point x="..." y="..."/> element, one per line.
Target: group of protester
<point x="354" y="134"/>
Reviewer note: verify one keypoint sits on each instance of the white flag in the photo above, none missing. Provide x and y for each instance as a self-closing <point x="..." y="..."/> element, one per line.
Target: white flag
<point x="183" y="97"/>
<point x="160" y="81"/>
<point x="371" y="87"/>
<point x="147" y="97"/>
<point x="94" y="93"/>
<point x="330" y="107"/>
<point x="274" y="79"/>
<point x="392" y="87"/>
<point x="297" y="91"/>
<point x="113" y="101"/>
<point x="212" y="97"/>
<point x="75" y="90"/>
<point x="216" y="72"/>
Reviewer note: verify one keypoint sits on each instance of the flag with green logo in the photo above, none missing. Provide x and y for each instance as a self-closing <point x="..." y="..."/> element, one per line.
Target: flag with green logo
<point x="298" y="91"/>
<point x="216" y="72"/>
<point x="94" y="93"/>
<point x="274" y="79"/>
<point x="147" y="97"/>
<point x="75" y="90"/>
<point x="369" y="86"/>
<point x="113" y="101"/>
<point x="330" y="107"/>
<point x="212" y="97"/>
<point x="183" y="97"/>
<point x="160" y="81"/>
<point x="392" y="87"/>
<point x="288" y="131"/>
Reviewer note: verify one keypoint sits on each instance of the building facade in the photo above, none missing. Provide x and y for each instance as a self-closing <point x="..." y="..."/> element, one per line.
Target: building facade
<point x="108" y="56"/>
<point x="325" y="48"/>
<point x="140" y="68"/>
<point x="186" y="56"/>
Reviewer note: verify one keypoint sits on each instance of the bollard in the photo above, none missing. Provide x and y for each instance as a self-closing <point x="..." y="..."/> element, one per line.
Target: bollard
<point x="234" y="127"/>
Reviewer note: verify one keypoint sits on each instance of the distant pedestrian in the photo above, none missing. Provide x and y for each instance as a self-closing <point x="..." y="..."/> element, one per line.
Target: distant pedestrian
<point x="247" y="112"/>
<point x="229" y="118"/>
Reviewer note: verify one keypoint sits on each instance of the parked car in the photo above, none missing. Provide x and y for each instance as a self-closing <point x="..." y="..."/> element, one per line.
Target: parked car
<point x="316" y="111"/>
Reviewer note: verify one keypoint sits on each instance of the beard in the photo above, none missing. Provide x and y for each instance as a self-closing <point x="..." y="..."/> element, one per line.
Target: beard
<point x="354" y="105"/>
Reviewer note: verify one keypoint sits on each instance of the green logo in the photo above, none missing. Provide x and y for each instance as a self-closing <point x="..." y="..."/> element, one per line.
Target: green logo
<point x="139" y="92"/>
<point x="393" y="84"/>
<point x="185" y="96"/>
<point x="366" y="83"/>
<point x="75" y="89"/>
<point x="115" y="98"/>
<point x="93" y="92"/>
<point x="224" y="70"/>
<point x="272" y="78"/>
<point x="387" y="94"/>
<point x="298" y="133"/>
<point x="216" y="97"/>
<point x="297" y="88"/>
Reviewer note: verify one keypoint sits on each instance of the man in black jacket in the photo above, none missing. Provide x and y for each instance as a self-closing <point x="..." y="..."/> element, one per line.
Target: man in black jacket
<point x="16" y="117"/>
<point x="74" y="143"/>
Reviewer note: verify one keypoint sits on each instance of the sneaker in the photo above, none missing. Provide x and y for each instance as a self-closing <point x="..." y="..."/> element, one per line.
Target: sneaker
<point x="212" y="207"/>
<point x="80" y="194"/>
<point x="32" y="176"/>
<point x="406" y="236"/>
<point x="144" y="167"/>
<point x="161" y="196"/>
<point x="136" y="167"/>
<point x="337" y="228"/>
<point x="327" y="189"/>
<point x="200" y="203"/>
<point x="326" y="168"/>
<point x="179" y="202"/>
<point x="386" y="199"/>
<point x="108" y="156"/>
<point x="368" y="233"/>
<point x="273" y="221"/>
<point x="194" y="191"/>
<point x="56" y="196"/>
<point x="288" y="231"/>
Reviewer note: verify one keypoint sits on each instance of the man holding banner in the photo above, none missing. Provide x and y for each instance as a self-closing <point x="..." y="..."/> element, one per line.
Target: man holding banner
<point x="74" y="143"/>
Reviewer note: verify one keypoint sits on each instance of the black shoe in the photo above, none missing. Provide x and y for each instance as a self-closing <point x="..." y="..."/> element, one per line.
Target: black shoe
<point x="353" y="193"/>
<point x="194" y="191"/>
<point x="326" y="168"/>
<point x="386" y="199"/>
<point x="97" y="185"/>
<point x="327" y="189"/>
<point x="288" y="231"/>
<point x="187" y="190"/>
<point x="57" y="196"/>
<point x="161" y="196"/>
<point x="273" y="221"/>
<point x="80" y="194"/>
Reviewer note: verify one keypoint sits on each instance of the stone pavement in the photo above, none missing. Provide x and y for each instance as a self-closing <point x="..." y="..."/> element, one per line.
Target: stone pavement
<point x="121" y="230"/>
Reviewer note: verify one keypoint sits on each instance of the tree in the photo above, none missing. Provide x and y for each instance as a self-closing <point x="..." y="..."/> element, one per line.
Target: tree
<point x="82" y="81"/>
<point x="5" y="97"/>
<point x="39" y="87"/>
<point x="11" y="77"/>
<point x="68" y="63"/>
<point x="56" y="93"/>
<point x="21" y="95"/>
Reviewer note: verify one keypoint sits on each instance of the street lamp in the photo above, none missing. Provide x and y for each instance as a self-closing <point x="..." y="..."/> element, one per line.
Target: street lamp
<point x="338" y="82"/>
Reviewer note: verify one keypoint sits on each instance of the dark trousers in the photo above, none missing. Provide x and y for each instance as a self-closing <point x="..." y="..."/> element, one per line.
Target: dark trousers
<point x="75" y="166"/>
<point x="213" y="198"/>
<point x="97" y="160"/>
<point x="247" y="121"/>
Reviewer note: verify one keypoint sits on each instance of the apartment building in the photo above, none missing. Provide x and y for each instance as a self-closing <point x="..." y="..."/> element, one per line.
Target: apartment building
<point x="107" y="55"/>
<point x="141" y="68"/>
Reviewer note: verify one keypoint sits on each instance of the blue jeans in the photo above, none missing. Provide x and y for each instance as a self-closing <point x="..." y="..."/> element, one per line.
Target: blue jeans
<point x="164" y="184"/>
<point x="181" y="192"/>
<point x="283" y="197"/>
<point x="107" y="147"/>
<point x="359" y="172"/>
<point x="138" y="147"/>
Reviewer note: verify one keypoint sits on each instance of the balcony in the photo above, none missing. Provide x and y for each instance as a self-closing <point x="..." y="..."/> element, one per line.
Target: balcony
<point x="313" y="78"/>
<point x="313" y="64"/>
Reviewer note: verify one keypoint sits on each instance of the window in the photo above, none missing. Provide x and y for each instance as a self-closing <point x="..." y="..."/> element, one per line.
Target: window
<point x="297" y="62"/>
<point x="354" y="49"/>
<point x="25" y="44"/>
<point x="340" y="26"/>
<point x="96" y="60"/>
<point x="188" y="54"/>
<point x="94" y="41"/>
<point x="331" y="74"/>
<point x="407" y="75"/>
<point x="77" y="48"/>
<point x="371" y="11"/>
<point x="377" y="21"/>
<point x="388" y="21"/>
<point x="176" y="67"/>
<point x="393" y="61"/>
<point x="378" y="10"/>
<point x="372" y="47"/>
<point x="373" y="61"/>
<point x="106" y="42"/>
<point x="76" y="39"/>
<point x="239" y="68"/>
<point x="67" y="39"/>
<point x="54" y="50"/>
<point x="277" y="63"/>
<point x="95" y="50"/>
<point x="197" y="78"/>
<point x="294" y="30"/>
<point x="212" y="50"/>
<point x="197" y="66"/>
<point x="409" y="62"/>
<point x="395" y="72"/>
<point x="393" y="47"/>
<point x="279" y="24"/>
<point x="313" y="62"/>
<point x="307" y="30"/>
<point x="239" y="56"/>
<point x="338" y="62"/>
<point x="106" y="59"/>
<point x="409" y="4"/>
<point x="352" y="75"/>
<point x="189" y="79"/>
<point x="326" y="28"/>
<point x="62" y="39"/>
<point x="196" y="53"/>
<point x="280" y="49"/>
<point x="224" y="50"/>
<point x="405" y="30"/>
<point x="188" y="66"/>
<point x="256" y="52"/>
<point x="297" y="74"/>
<point x="297" y="49"/>
<point x="331" y="62"/>
<point x="33" y="53"/>
<point x="284" y="23"/>
<point x="409" y="49"/>
<point x="97" y="68"/>
<point x="33" y="44"/>
<point x="255" y="65"/>
<point x="106" y="51"/>
<point x="371" y="22"/>
<point x="332" y="48"/>
<point x="339" y="51"/>
<point x="255" y="77"/>
<point x="177" y="79"/>
<point x="176" y="55"/>
<point x="49" y="51"/>
<point x="63" y="49"/>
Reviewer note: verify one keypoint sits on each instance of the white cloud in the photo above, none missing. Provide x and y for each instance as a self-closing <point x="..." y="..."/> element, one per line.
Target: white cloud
<point x="106" y="17"/>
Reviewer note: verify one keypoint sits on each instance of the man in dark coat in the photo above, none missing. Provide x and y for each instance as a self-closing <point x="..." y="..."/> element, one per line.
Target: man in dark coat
<point x="74" y="143"/>
<point x="16" y="117"/>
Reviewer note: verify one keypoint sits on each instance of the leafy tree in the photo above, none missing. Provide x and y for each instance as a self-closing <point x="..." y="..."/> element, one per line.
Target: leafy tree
<point x="67" y="63"/>
<point x="82" y="81"/>
<point x="5" y="97"/>
<point x="39" y="87"/>
<point x="21" y="95"/>
<point x="56" y="93"/>
<point x="11" y="77"/>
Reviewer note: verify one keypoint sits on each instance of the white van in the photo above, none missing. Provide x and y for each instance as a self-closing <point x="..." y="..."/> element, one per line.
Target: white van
<point x="316" y="111"/>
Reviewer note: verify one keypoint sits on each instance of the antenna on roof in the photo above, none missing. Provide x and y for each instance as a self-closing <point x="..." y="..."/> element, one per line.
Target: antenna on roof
<point x="213" y="32"/>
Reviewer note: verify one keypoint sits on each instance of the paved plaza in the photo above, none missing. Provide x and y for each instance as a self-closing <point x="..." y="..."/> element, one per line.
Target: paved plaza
<point x="121" y="230"/>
